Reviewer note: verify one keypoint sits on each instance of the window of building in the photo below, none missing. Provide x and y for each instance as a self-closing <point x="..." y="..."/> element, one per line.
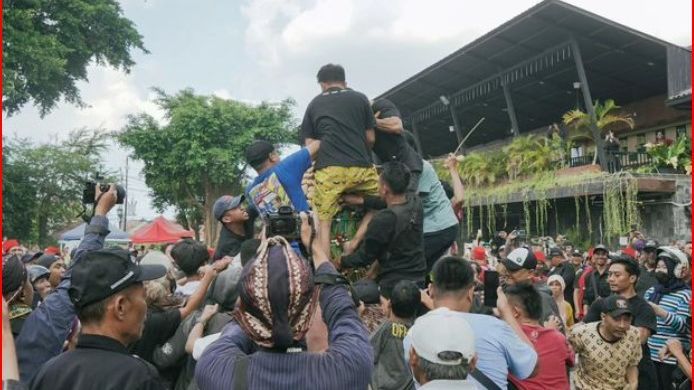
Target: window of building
<point x="641" y="139"/>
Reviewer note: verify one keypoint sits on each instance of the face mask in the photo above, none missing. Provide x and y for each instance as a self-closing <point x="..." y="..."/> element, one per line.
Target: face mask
<point x="662" y="277"/>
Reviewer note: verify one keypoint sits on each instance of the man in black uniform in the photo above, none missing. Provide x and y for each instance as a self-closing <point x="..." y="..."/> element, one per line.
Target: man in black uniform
<point x="394" y="236"/>
<point x="109" y="298"/>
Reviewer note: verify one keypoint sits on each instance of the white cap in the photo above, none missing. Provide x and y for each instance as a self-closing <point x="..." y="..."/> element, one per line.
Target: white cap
<point x="442" y="331"/>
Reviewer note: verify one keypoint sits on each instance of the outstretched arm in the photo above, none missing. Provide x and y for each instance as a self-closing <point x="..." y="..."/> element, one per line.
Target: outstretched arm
<point x="46" y="329"/>
<point x="458" y="189"/>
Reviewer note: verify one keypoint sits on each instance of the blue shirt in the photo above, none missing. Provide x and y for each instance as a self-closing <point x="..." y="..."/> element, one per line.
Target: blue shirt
<point x="347" y="363"/>
<point x="289" y="171"/>
<point x="49" y="325"/>
<point x="499" y="350"/>
<point x="438" y="212"/>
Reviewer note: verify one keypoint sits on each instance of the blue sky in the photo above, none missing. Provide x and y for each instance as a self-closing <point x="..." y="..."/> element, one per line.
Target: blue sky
<point x="268" y="50"/>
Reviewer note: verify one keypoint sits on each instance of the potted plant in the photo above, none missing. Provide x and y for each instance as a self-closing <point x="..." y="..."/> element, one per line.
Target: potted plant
<point x="674" y="158"/>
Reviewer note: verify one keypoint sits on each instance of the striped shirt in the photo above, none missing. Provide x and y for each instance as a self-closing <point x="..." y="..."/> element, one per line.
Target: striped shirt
<point x="677" y="324"/>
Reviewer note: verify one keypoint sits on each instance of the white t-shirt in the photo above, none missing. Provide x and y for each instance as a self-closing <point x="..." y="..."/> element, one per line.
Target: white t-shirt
<point x="187" y="289"/>
<point x="202" y="343"/>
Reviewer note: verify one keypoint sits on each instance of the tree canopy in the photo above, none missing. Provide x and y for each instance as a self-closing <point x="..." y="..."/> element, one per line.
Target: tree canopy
<point x="48" y="44"/>
<point x="42" y="184"/>
<point x="198" y="153"/>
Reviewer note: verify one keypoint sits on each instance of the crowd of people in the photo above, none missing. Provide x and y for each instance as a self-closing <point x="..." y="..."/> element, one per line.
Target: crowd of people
<point x="275" y="311"/>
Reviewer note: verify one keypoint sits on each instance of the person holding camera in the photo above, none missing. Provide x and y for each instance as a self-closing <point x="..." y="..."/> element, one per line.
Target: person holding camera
<point x="48" y="326"/>
<point x="265" y="347"/>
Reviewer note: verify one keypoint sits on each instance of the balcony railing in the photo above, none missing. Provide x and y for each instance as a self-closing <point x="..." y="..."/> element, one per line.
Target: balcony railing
<point x="615" y="161"/>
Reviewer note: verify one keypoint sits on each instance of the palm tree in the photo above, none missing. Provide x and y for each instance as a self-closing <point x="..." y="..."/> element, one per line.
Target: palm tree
<point x="581" y="121"/>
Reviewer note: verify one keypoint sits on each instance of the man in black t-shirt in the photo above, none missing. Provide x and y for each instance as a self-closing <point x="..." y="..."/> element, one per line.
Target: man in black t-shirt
<point x="342" y="120"/>
<point x="623" y="274"/>
<point x="394" y="237"/>
<point x="596" y="281"/>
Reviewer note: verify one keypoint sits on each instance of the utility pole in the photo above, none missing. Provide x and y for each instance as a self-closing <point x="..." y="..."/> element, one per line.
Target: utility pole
<point x="125" y="202"/>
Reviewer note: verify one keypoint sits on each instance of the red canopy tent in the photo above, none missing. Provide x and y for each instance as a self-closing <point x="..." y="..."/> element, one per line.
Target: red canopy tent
<point x="160" y="231"/>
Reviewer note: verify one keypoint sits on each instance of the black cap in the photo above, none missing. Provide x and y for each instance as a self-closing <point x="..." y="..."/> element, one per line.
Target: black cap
<point x="520" y="258"/>
<point x="651" y="244"/>
<point x="576" y="253"/>
<point x="367" y="291"/>
<point x="601" y="247"/>
<point x="47" y="260"/>
<point x="615" y="306"/>
<point x="258" y="152"/>
<point x="555" y="252"/>
<point x="29" y="257"/>
<point x="103" y="273"/>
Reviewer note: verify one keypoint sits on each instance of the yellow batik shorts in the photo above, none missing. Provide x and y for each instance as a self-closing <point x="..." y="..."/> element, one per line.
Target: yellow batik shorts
<point x="333" y="182"/>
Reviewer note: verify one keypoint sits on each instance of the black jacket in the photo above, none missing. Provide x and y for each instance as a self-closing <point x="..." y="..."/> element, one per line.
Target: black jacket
<point x="99" y="363"/>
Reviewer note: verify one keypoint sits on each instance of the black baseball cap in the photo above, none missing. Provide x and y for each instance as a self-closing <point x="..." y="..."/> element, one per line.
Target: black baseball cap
<point x="555" y="252"/>
<point x="615" y="306"/>
<point x="29" y="257"/>
<point x="576" y="253"/>
<point x="520" y="258"/>
<point x="258" y="152"/>
<point x="367" y="291"/>
<point x="651" y="245"/>
<point x="601" y="247"/>
<point x="105" y="272"/>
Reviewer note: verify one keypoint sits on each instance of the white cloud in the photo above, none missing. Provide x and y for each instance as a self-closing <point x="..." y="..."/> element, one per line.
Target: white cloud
<point x="116" y="98"/>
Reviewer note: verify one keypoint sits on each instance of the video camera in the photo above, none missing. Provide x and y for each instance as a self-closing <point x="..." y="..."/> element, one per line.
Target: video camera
<point x="89" y="191"/>
<point x="285" y="222"/>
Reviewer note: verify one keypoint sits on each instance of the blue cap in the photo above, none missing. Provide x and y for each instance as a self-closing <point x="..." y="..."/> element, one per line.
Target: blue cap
<point x="224" y="204"/>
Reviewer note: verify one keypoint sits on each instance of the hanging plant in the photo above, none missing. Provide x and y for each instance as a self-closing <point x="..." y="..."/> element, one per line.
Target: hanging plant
<point x="526" y="214"/>
<point x="578" y="213"/>
<point x="590" y="222"/>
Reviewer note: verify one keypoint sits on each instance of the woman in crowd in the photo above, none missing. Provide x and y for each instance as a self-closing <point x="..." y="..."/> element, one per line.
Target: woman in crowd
<point x="670" y="299"/>
<point x="557" y="285"/>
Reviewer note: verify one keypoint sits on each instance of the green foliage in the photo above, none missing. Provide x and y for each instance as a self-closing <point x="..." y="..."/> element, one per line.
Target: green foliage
<point x="481" y="168"/>
<point x="47" y="46"/>
<point x="605" y="117"/>
<point x="198" y="154"/>
<point x="42" y="184"/>
<point x="676" y="156"/>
